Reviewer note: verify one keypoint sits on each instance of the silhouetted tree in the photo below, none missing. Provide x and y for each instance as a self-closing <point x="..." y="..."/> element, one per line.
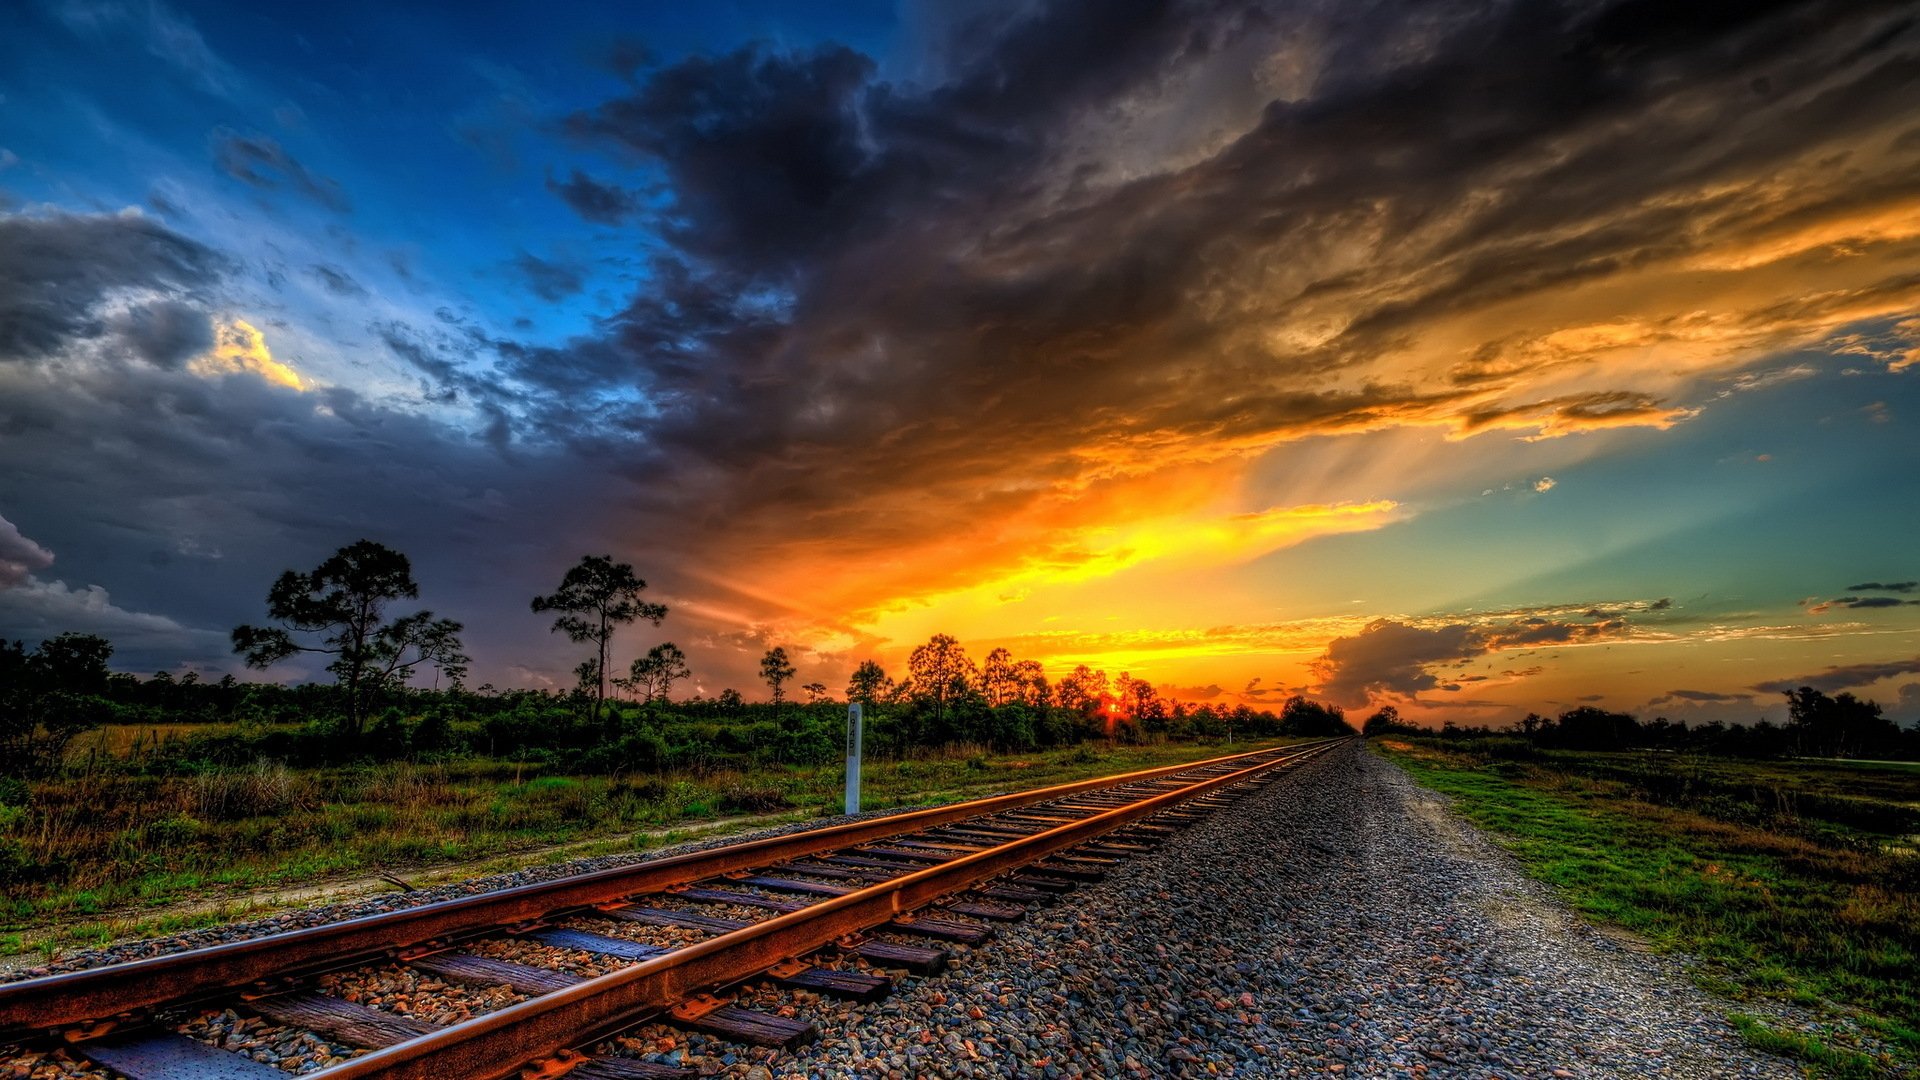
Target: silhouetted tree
<point x="596" y="596"/>
<point x="1141" y="698"/>
<point x="775" y="670"/>
<point x="1084" y="690"/>
<point x="1030" y="684"/>
<point x="1385" y="721"/>
<point x="1301" y="716"/>
<point x="942" y="673"/>
<point x="998" y="678"/>
<point x="652" y="676"/>
<point x="816" y="693"/>
<point x="1590" y="727"/>
<point x="1839" y="726"/>
<point x="869" y="685"/>
<point x="341" y="604"/>
<point x="47" y="697"/>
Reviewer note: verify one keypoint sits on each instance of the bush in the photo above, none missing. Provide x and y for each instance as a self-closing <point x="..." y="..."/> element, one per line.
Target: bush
<point x="434" y="733"/>
<point x="172" y="831"/>
<point x="18" y="866"/>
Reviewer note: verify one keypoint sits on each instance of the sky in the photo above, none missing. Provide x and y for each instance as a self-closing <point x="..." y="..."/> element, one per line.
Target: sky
<point x="1473" y="358"/>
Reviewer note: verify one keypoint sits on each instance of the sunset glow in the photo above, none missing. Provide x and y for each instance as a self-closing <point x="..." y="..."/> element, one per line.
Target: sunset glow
<point x="1251" y="355"/>
<point x="243" y="349"/>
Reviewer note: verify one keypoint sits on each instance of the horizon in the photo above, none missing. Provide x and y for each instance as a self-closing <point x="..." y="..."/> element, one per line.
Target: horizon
<point x="1476" y="360"/>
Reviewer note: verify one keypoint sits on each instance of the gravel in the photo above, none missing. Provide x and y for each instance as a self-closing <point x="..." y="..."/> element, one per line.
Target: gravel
<point x="288" y="1049"/>
<point x="405" y="991"/>
<point x="1338" y="922"/>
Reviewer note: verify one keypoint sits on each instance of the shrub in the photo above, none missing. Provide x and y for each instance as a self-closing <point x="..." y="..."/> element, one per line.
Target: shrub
<point x="172" y="831"/>
<point x="18" y="866"/>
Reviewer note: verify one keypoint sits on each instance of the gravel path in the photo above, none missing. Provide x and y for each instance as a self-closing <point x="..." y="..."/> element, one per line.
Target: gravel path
<point x="1338" y="922"/>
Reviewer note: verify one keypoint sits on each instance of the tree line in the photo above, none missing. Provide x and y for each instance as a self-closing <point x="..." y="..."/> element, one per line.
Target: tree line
<point x="1817" y="725"/>
<point x="348" y="610"/>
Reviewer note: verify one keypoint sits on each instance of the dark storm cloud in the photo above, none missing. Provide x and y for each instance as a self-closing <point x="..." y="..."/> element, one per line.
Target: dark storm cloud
<point x="549" y="280"/>
<point x="171" y="462"/>
<point x="1859" y="602"/>
<point x="602" y="204"/>
<point x="1843" y="677"/>
<point x="1388" y="657"/>
<point x="981" y="255"/>
<point x="1398" y="659"/>
<point x="174" y="461"/>
<point x="59" y="267"/>
<point x="1817" y="606"/>
<point x="764" y="153"/>
<point x="875" y="313"/>
<point x="260" y="161"/>
<point x="165" y="332"/>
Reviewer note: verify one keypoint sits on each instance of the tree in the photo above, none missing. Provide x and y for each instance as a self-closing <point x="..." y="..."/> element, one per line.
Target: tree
<point x="1300" y="716"/>
<point x="596" y="596"/>
<point x="1082" y="691"/>
<point x="652" y="676"/>
<point x="1590" y="727"/>
<point x="816" y="693"/>
<point x="731" y="700"/>
<point x="341" y="608"/>
<point x="942" y="673"/>
<point x="1030" y="680"/>
<point x="1838" y="726"/>
<point x="775" y="671"/>
<point x="1385" y="721"/>
<point x="48" y="696"/>
<point x="999" y="678"/>
<point x="869" y="684"/>
<point x="1145" y="702"/>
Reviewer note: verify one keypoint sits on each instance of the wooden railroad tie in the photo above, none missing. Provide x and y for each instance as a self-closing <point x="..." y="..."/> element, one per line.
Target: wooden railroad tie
<point x="340" y="1020"/>
<point x="710" y="1015"/>
<point x="684" y="920"/>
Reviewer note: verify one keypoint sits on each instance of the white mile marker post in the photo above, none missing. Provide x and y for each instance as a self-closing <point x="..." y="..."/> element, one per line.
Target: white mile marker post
<point x="853" y="758"/>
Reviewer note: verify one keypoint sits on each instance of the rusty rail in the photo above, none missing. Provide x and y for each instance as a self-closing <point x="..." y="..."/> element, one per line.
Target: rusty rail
<point x="55" y="1002"/>
<point x="550" y="1027"/>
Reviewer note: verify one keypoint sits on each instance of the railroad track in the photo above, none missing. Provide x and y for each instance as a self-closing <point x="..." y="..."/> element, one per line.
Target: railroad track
<point x="833" y="911"/>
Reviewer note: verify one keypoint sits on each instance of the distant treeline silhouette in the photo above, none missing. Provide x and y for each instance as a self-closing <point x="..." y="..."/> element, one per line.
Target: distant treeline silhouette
<point x="374" y="711"/>
<point x="1817" y="725"/>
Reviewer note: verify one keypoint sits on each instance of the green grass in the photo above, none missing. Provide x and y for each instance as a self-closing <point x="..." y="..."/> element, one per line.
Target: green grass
<point x="1796" y="910"/>
<point x="115" y="857"/>
<point x="1824" y="1060"/>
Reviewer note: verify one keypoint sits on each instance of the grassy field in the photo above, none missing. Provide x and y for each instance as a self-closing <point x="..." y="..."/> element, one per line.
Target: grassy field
<point x="89" y="859"/>
<point x="1792" y="881"/>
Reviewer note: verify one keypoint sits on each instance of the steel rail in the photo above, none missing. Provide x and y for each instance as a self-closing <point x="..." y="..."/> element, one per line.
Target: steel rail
<point x="552" y="1026"/>
<point x="54" y="1002"/>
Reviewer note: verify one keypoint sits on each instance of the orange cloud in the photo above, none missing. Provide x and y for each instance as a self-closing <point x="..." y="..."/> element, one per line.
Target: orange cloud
<point x="240" y="348"/>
